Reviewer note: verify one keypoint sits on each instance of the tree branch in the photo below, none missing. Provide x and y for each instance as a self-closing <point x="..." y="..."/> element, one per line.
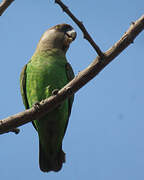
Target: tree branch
<point x="4" y="5"/>
<point x="82" y="27"/>
<point x="78" y="82"/>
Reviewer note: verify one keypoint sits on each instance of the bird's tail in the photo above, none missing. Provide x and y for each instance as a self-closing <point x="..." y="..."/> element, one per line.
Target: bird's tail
<point x="52" y="163"/>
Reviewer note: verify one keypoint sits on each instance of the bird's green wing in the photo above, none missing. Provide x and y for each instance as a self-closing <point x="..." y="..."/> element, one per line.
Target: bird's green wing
<point x="23" y="87"/>
<point x="70" y="76"/>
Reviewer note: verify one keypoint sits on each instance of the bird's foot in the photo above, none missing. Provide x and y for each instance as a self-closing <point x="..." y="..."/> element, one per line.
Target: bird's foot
<point x="55" y="92"/>
<point x="36" y="106"/>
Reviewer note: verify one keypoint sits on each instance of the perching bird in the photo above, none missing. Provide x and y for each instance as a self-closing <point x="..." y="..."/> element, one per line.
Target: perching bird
<point x="48" y="70"/>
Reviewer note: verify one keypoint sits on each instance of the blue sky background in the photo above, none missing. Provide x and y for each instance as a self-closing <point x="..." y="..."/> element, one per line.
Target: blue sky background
<point x="105" y="136"/>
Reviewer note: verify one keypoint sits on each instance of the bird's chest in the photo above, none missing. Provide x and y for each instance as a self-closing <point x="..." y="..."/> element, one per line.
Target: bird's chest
<point x="44" y="77"/>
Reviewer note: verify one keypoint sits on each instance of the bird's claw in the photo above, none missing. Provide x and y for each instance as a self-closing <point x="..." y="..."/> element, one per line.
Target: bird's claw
<point x="37" y="106"/>
<point x="55" y="92"/>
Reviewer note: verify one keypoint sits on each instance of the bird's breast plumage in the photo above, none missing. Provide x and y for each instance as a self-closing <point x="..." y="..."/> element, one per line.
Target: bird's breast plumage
<point x="44" y="74"/>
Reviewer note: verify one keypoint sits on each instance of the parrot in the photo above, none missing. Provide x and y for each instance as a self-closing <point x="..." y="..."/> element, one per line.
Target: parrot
<point x="48" y="70"/>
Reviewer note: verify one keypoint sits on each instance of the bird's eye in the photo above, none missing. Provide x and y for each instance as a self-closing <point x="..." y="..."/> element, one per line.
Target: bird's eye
<point x="63" y="27"/>
<point x="66" y="28"/>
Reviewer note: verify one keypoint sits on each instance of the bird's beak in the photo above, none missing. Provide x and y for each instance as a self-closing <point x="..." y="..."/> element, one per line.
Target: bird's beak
<point x="71" y="34"/>
<point x="69" y="37"/>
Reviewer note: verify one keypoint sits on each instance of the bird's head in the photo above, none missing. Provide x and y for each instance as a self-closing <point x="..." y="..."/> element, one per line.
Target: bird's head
<point x="57" y="37"/>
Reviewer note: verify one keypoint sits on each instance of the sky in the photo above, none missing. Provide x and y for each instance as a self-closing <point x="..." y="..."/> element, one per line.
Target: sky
<point x="104" y="138"/>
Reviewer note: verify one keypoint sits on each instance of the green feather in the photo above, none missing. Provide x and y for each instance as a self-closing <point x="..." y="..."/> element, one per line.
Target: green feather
<point x="48" y="70"/>
<point x="45" y="72"/>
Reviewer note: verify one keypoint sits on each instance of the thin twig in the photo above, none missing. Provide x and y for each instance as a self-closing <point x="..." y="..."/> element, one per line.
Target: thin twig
<point x="4" y="5"/>
<point x="82" y="27"/>
<point x="78" y="82"/>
